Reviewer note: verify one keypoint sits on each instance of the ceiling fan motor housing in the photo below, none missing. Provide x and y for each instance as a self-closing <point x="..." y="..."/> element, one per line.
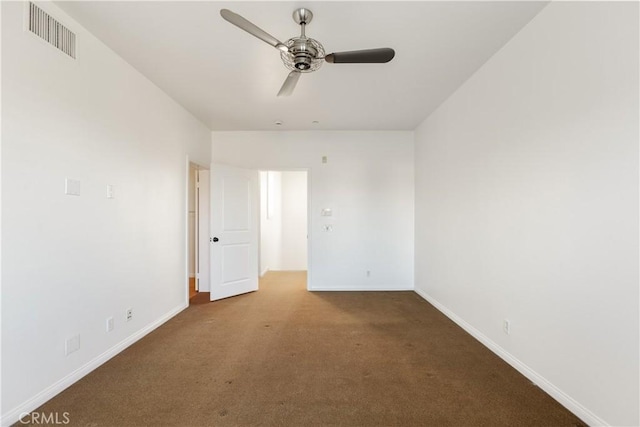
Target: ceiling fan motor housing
<point x="304" y="55"/>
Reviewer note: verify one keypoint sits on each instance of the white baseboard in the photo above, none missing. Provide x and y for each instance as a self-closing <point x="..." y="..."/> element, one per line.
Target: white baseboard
<point x="357" y="289"/>
<point x="564" y="399"/>
<point x="47" y="394"/>
<point x="266" y="270"/>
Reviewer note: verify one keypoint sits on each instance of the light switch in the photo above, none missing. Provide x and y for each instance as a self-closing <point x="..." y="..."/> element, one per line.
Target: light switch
<point x="110" y="192"/>
<point x="72" y="344"/>
<point x="71" y="187"/>
<point x="327" y="212"/>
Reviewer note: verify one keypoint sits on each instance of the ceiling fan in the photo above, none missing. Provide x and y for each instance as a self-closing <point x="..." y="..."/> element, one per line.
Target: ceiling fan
<point x="303" y="54"/>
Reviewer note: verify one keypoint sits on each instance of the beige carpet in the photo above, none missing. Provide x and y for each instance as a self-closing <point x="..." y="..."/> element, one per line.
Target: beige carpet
<point x="283" y="356"/>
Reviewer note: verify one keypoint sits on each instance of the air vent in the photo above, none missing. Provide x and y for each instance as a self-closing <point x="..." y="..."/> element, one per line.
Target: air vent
<point x="46" y="27"/>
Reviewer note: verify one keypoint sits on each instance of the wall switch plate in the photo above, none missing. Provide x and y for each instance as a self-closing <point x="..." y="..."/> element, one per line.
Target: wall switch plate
<point x="324" y="159"/>
<point x="109" y="324"/>
<point x="326" y="212"/>
<point x="71" y="187"/>
<point x="72" y="344"/>
<point x="110" y="192"/>
<point x="506" y="326"/>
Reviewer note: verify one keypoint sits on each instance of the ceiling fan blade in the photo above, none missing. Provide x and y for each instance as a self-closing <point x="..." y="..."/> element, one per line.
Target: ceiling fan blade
<point x="289" y="84"/>
<point x="252" y="29"/>
<point x="368" y="56"/>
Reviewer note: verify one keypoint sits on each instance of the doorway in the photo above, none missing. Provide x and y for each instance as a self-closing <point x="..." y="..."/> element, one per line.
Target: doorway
<point x="192" y="229"/>
<point x="198" y="233"/>
<point x="283" y="221"/>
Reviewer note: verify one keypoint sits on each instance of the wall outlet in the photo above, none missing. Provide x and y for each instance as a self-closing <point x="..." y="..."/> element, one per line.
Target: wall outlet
<point x="129" y="314"/>
<point x="506" y="326"/>
<point x="72" y="344"/>
<point x="71" y="187"/>
<point x="109" y="324"/>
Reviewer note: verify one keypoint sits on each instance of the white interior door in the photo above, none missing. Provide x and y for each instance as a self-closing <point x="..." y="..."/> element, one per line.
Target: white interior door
<point x="234" y="231"/>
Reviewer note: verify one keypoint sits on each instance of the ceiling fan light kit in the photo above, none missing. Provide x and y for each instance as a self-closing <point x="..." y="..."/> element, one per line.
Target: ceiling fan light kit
<point x="303" y="54"/>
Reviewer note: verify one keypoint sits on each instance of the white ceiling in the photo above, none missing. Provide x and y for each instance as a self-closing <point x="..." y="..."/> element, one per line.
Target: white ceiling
<point x="229" y="79"/>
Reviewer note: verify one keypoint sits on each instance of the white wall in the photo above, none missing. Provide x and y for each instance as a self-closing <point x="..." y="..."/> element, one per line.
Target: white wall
<point x="527" y="206"/>
<point x="367" y="181"/>
<point x="70" y="262"/>
<point x="270" y="225"/>
<point x="294" y="220"/>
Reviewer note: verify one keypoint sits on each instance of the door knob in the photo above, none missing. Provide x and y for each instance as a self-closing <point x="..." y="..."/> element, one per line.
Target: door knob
<point x="215" y="239"/>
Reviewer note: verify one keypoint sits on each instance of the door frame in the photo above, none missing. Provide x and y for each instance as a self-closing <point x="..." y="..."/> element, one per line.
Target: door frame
<point x="199" y="234"/>
<point x="309" y="216"/>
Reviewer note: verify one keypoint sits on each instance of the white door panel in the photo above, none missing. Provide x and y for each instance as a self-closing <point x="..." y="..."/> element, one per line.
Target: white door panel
<point x="234" y="231"/>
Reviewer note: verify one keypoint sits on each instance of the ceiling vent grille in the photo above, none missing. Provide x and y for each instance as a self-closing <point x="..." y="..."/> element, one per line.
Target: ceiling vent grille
<point x="46" y="27"/>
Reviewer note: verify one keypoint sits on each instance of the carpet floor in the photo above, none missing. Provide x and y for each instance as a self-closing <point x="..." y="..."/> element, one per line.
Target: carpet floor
<point x="283" y="356"/>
